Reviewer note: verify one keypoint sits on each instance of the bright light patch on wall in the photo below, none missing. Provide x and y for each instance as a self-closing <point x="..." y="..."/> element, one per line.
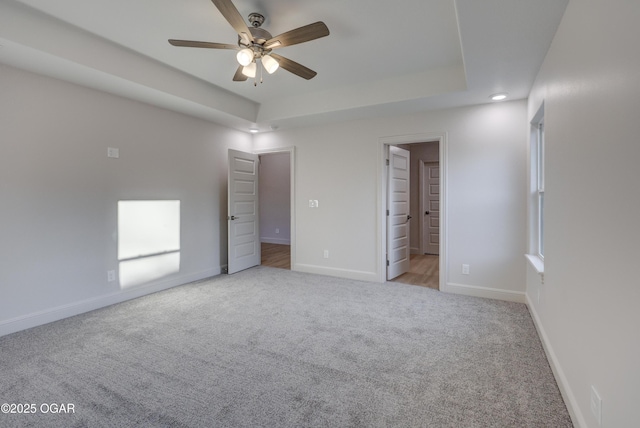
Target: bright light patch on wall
<point x="148" y="240"/>
<point x="146" y="269"/>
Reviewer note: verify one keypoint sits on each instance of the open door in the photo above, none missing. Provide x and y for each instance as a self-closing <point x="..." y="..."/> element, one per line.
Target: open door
<point x="398" y="250"/>
<point x="242" y="211"/>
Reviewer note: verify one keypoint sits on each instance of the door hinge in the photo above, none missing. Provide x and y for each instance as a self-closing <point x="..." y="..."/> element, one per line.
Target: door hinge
<point x="387" y="262"/>
<point x="387" y="162"/>
<point x="387" y="213"/>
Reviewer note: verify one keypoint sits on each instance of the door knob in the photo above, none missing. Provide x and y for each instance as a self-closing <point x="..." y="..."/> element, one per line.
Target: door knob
<point x="232" y="218"/>
<point x="426" y="213"/>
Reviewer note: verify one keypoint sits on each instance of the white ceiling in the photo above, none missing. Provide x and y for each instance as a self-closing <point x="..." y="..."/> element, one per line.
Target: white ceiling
<point x="381" y="58"/>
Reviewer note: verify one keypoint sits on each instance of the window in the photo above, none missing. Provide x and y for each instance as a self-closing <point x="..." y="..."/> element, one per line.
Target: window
<point x="536" y="193"/>
<point x="540" y="187"/>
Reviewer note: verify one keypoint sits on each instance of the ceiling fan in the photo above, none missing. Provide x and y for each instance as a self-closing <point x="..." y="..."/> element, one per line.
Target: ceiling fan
<point x="256" y="44"/>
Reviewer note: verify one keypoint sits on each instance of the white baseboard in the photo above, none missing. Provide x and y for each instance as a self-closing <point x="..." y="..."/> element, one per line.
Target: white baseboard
<point x="341" y="273"/>
<point x="561" y="379"/>
<point x="489" y="293"/>
<point x="281" y="241"/>
<point x="76" y="308"/>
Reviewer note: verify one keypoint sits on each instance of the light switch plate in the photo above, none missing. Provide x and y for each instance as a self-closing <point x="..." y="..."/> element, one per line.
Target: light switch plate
<point x="112" y="152"/>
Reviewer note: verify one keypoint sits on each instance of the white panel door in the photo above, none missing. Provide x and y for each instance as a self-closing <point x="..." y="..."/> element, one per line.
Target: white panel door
<point x="431" y="218"/>
<point x="398" y="251"/>
<point x="242" y="211"/>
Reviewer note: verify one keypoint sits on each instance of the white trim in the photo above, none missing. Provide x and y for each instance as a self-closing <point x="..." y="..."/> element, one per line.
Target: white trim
<point x="486" y="292"/>
<point x="536" y="262"/>
<point x="292" y="173"/>
<point x="341" y="273"/>
<point x="533" y="194"/>
<point x="381" y="237"/>
<point x="561" y="379"/>
<point x="280" y="241"/>
<point x="65" y="311"/>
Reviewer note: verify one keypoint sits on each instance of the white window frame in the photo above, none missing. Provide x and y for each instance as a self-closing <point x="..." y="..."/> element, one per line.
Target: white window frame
<point x="536" y="192"/>
<point x="540" y="190"/>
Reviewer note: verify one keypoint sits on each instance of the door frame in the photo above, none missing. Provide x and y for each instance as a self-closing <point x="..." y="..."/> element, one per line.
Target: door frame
<point x="292" y="195"/>
<point x="383" y="143"/>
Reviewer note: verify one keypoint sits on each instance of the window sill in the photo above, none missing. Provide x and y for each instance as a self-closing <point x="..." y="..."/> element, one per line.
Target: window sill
<point x="536" y="262"/>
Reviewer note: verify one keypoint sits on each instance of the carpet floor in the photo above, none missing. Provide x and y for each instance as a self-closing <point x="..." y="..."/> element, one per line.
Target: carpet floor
<point x="274" y="348"/>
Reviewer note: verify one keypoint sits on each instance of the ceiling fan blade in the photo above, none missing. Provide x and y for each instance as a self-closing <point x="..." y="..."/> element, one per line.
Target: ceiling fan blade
<point x="299" y="35"/>
<point x="208" y="45"/>
<point x="294" y="67"/>
<point x="233" y="17"/>
<point x="239" y="77"/>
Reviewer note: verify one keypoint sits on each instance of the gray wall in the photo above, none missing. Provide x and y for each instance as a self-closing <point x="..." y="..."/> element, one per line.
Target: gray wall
<point x="275" y="198"/>
<point x="339" y="166"/>
<point x="59" y="193"/>
<point x="587" y="310"/>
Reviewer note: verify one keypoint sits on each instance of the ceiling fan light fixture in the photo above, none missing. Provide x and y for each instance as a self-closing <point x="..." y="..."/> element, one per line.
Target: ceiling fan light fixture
<point x="250" y="70"/>
<point x="245" y="56"/>
<point x="270" y="64"/>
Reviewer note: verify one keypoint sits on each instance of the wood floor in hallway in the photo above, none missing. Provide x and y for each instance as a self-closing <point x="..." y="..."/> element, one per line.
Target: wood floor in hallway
<point x="423" y="271"/>
<point x="276" y="255"/>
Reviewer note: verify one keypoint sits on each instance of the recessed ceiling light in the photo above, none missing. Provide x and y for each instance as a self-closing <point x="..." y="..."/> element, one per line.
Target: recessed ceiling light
<point x="499" y="97"/>
<point x="254" y="130"/>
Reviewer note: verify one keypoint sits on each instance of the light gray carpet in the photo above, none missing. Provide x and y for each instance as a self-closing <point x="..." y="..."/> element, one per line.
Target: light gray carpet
<point x="274" y="348"/>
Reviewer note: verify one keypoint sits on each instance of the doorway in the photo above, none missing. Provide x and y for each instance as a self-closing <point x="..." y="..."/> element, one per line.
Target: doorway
<point x="427" y="208"/>
<point x="276" y="208"/>
<point x="424" y="191"/>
